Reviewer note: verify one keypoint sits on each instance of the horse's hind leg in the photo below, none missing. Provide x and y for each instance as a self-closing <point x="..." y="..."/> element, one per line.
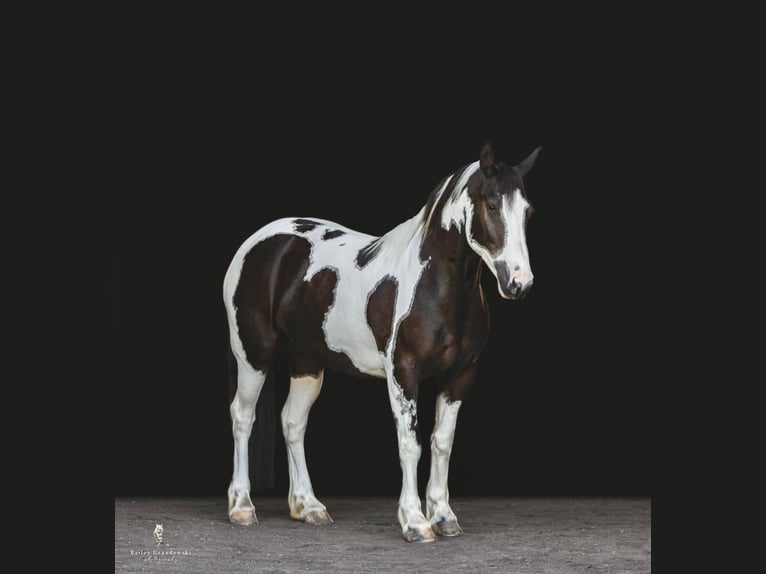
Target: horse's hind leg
<point x="304" y="506"/>
<point x="249" y="385"/>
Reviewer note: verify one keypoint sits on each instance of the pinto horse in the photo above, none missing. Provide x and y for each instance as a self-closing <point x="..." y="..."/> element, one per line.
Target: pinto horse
<point x="404" y="307"/>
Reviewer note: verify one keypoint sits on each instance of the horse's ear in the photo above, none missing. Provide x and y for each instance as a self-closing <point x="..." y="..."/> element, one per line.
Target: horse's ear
<point x="487" y="159"/>
<point x="527" y="164"/>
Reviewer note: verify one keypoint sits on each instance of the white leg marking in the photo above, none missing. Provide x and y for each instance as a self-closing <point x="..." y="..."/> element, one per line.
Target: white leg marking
<point x="415" y="526"/>
<point x="438" y="510"/>
<point x="303" y="504"/>
<point x="249" y="385"/>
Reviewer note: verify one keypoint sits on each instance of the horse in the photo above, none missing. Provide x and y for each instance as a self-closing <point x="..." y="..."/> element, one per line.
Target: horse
<point x="406" y="307"/>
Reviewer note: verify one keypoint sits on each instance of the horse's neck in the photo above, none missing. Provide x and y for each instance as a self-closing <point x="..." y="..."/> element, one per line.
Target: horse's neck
<point x="437" y="234"/>
<point x="452" y="258"/>
<point x="444" y="239"/>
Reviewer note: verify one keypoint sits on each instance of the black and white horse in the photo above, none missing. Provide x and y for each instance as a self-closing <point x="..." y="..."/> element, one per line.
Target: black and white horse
<point x="404" y="307"/>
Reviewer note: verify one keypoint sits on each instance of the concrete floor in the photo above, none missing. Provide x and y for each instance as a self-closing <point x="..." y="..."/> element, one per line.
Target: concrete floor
<point x="508" y="535"/>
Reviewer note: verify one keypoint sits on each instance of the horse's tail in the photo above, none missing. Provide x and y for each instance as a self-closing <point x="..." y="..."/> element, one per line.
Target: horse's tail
<point x="262" y="438"/>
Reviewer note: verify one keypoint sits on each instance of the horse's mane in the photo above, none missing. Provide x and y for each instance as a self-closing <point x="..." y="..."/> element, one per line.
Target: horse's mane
<point x="446" y="192"/>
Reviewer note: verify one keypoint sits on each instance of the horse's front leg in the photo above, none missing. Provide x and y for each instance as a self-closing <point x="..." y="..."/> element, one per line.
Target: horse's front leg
<point x="443" y="520"/>
<point x="415" y="526"/>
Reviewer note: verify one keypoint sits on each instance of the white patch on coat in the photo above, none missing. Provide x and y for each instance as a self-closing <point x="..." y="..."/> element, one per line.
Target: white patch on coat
<point x="453" y="212"/>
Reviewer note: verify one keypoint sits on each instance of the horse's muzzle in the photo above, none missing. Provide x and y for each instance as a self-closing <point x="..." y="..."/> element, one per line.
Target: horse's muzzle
<point x="508" y="283"/>
<point x="515" y="291"/>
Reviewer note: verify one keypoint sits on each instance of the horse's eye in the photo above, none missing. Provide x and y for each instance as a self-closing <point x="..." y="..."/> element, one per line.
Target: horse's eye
<point x="491" y="206"/>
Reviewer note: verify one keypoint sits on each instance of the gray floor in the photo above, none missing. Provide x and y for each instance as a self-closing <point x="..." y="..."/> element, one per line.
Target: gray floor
<point x="518" y="535"/>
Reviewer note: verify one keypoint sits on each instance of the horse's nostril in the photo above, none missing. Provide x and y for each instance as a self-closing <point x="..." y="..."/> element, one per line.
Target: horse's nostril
<point x="515" y="288"/>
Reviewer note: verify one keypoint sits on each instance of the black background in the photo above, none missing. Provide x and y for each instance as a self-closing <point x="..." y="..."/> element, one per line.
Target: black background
<point x="225" y="133"/>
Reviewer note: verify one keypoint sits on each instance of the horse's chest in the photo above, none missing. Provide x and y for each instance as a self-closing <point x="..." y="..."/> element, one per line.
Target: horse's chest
<point x="443" y="331"/>
<point x="438" y="345"/>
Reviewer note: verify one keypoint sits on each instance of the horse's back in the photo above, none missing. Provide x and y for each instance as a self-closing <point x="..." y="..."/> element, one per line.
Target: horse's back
<point x="314" y="231"/>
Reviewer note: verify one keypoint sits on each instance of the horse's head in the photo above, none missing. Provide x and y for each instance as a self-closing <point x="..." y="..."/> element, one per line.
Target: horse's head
<point x="496" y="221"/>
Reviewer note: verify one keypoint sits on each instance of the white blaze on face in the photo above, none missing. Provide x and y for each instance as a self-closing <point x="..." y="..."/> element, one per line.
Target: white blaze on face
<point x="515" y="254"/>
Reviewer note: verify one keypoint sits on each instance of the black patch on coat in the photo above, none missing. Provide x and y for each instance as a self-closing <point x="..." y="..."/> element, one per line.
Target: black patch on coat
<point x="280" y="315"/>
<point x="304" y="225"/>
<point x="255" y="294"/>
<point x="380" y="310"/>
<point x="368" y="252"/>
<point x="331" y="234"/>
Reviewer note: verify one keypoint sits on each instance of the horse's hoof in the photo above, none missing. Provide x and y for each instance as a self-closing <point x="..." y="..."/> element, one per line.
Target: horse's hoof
<point x="244" y="517"/>
<point x="317" y="517"/>
<point x="447" y="528"/>
<point x="415" y="535"/>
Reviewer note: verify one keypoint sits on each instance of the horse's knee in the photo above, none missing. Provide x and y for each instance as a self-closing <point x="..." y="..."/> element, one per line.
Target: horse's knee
<point x="303" y="392"/>
<point x="409" y="447"/>
<point x="249" y="385"/>
<point x="293" y="430"/>
<point x="441" y="444"/>
<point x="242" y="415"/>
